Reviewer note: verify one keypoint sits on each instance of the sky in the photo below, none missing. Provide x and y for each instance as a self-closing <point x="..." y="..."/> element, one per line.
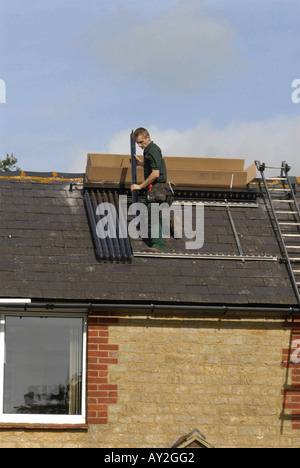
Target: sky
<point x="208" y="78"/>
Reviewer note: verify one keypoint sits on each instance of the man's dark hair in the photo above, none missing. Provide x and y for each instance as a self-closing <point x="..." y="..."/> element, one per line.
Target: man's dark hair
<point x="140" y="131"/>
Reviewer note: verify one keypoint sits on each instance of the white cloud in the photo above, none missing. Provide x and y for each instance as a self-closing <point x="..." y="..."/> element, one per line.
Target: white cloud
<point x="174" y="52"/>
<point x="77" y="159"/>
<point x="270" y="141"/>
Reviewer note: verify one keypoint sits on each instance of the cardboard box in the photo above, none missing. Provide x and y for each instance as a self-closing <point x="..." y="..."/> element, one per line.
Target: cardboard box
<point x="204" y="164"/>
<point x="107" y="160"/>
<point x="111" y="168"/>
<point x="212" y="178"/>
<point x="191" y="172"/>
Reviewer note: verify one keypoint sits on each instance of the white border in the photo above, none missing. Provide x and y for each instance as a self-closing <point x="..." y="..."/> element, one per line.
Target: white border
<point x="42" y="418"/>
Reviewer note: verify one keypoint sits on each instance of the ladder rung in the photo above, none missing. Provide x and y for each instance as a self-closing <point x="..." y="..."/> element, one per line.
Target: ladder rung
<point x="296" y="271"/>
<point x="284" y="201"/>
<point x="274" y="167"/>
<point x="287" y="212"/>
<point x="279" y="189"/>
<point x="293" y="246"/>
<point x="290" y="235"/>
<point x="289" y="224"/>
<point x="295" y="259"/>
<point x="276" y="178"/>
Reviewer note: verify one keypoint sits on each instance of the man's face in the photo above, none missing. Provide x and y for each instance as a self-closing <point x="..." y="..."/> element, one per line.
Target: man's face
<point x="143" y="141"/>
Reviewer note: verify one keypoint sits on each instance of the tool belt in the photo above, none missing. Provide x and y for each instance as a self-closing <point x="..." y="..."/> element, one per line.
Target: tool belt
<point x="160" y="193"/>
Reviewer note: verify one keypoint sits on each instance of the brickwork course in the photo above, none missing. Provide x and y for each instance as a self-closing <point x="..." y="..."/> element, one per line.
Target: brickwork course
<point x="154" y="375"/>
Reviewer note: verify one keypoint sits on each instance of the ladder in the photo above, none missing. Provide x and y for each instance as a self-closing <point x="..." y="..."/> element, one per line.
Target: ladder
<point x="286" y="213"/>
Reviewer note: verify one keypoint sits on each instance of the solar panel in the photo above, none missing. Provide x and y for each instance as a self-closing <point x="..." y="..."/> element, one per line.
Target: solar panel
<point x="112" y="240"/>
<point x="111" y="244"/>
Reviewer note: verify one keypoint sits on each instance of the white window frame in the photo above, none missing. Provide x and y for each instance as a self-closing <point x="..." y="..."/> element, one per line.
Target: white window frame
<point x="42" y="418"/>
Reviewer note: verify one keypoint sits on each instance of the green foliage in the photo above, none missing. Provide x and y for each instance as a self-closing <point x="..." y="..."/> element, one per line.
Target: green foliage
<point x="9" y="164"/>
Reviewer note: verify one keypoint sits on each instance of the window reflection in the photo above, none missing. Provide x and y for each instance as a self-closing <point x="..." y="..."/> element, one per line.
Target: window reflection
<point x="43" y="367"/>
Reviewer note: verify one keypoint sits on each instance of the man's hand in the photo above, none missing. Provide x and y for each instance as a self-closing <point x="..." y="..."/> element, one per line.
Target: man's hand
<point x="152" y="177"/>
<point x="138" y="161"/>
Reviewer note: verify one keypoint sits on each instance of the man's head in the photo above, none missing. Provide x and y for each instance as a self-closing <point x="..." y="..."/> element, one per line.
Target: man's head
<point x="142" y="137"/>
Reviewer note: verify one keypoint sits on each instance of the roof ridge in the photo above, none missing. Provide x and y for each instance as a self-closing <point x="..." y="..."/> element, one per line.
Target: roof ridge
<point x="42" y="176"/>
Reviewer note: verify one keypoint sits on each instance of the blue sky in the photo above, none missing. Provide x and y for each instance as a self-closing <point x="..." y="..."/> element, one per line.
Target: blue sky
<point x="209" y="78"/>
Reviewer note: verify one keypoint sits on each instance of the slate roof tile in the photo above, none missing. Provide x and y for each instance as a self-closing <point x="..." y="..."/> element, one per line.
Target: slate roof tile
<point x="47" y="252"/>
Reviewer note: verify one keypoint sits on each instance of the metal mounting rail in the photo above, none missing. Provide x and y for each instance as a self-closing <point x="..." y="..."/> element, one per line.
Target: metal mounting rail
<point x="197" y="256"/>
<point x="216" y="203"/>
<point x="287" y="205"/>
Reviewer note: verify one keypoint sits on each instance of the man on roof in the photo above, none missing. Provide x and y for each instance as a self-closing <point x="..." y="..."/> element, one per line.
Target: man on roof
<point x="155" y="172"/>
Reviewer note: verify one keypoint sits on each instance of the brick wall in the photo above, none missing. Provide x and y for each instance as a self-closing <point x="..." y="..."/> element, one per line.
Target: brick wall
<point x="100" y="355"/>
<point x="291" y="362"/>
<point x="223" y="376"/>
<point x="151" y="381"/>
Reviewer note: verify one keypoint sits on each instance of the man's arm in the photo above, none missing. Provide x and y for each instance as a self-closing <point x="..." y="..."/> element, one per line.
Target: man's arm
<point x="138" y="161"/>
<point x="152" y="177"/>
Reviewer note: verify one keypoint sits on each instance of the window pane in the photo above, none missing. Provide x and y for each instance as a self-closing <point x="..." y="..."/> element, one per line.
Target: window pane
<point x="43" y="365"/>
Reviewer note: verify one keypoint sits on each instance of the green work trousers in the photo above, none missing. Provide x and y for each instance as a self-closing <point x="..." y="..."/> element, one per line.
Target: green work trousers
<point x="156" y="231"/>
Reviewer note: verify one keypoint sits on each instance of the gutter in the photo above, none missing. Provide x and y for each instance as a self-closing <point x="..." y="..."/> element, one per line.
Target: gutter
<point x="91" y="308"/>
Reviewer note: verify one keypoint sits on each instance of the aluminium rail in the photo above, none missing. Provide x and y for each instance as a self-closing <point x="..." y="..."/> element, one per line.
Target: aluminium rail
<point x="198" y="256"/>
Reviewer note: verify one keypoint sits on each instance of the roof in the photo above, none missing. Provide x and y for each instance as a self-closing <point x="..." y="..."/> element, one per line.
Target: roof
<point x="47" y="252"/>
<point x="195" y="439"/>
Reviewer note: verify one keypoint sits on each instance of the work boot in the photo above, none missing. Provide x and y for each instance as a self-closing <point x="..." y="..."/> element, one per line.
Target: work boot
<point x="153" y="249"/>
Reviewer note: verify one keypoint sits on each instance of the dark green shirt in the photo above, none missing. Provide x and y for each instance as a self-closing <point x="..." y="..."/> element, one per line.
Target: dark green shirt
<point x="154" y="160"/>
